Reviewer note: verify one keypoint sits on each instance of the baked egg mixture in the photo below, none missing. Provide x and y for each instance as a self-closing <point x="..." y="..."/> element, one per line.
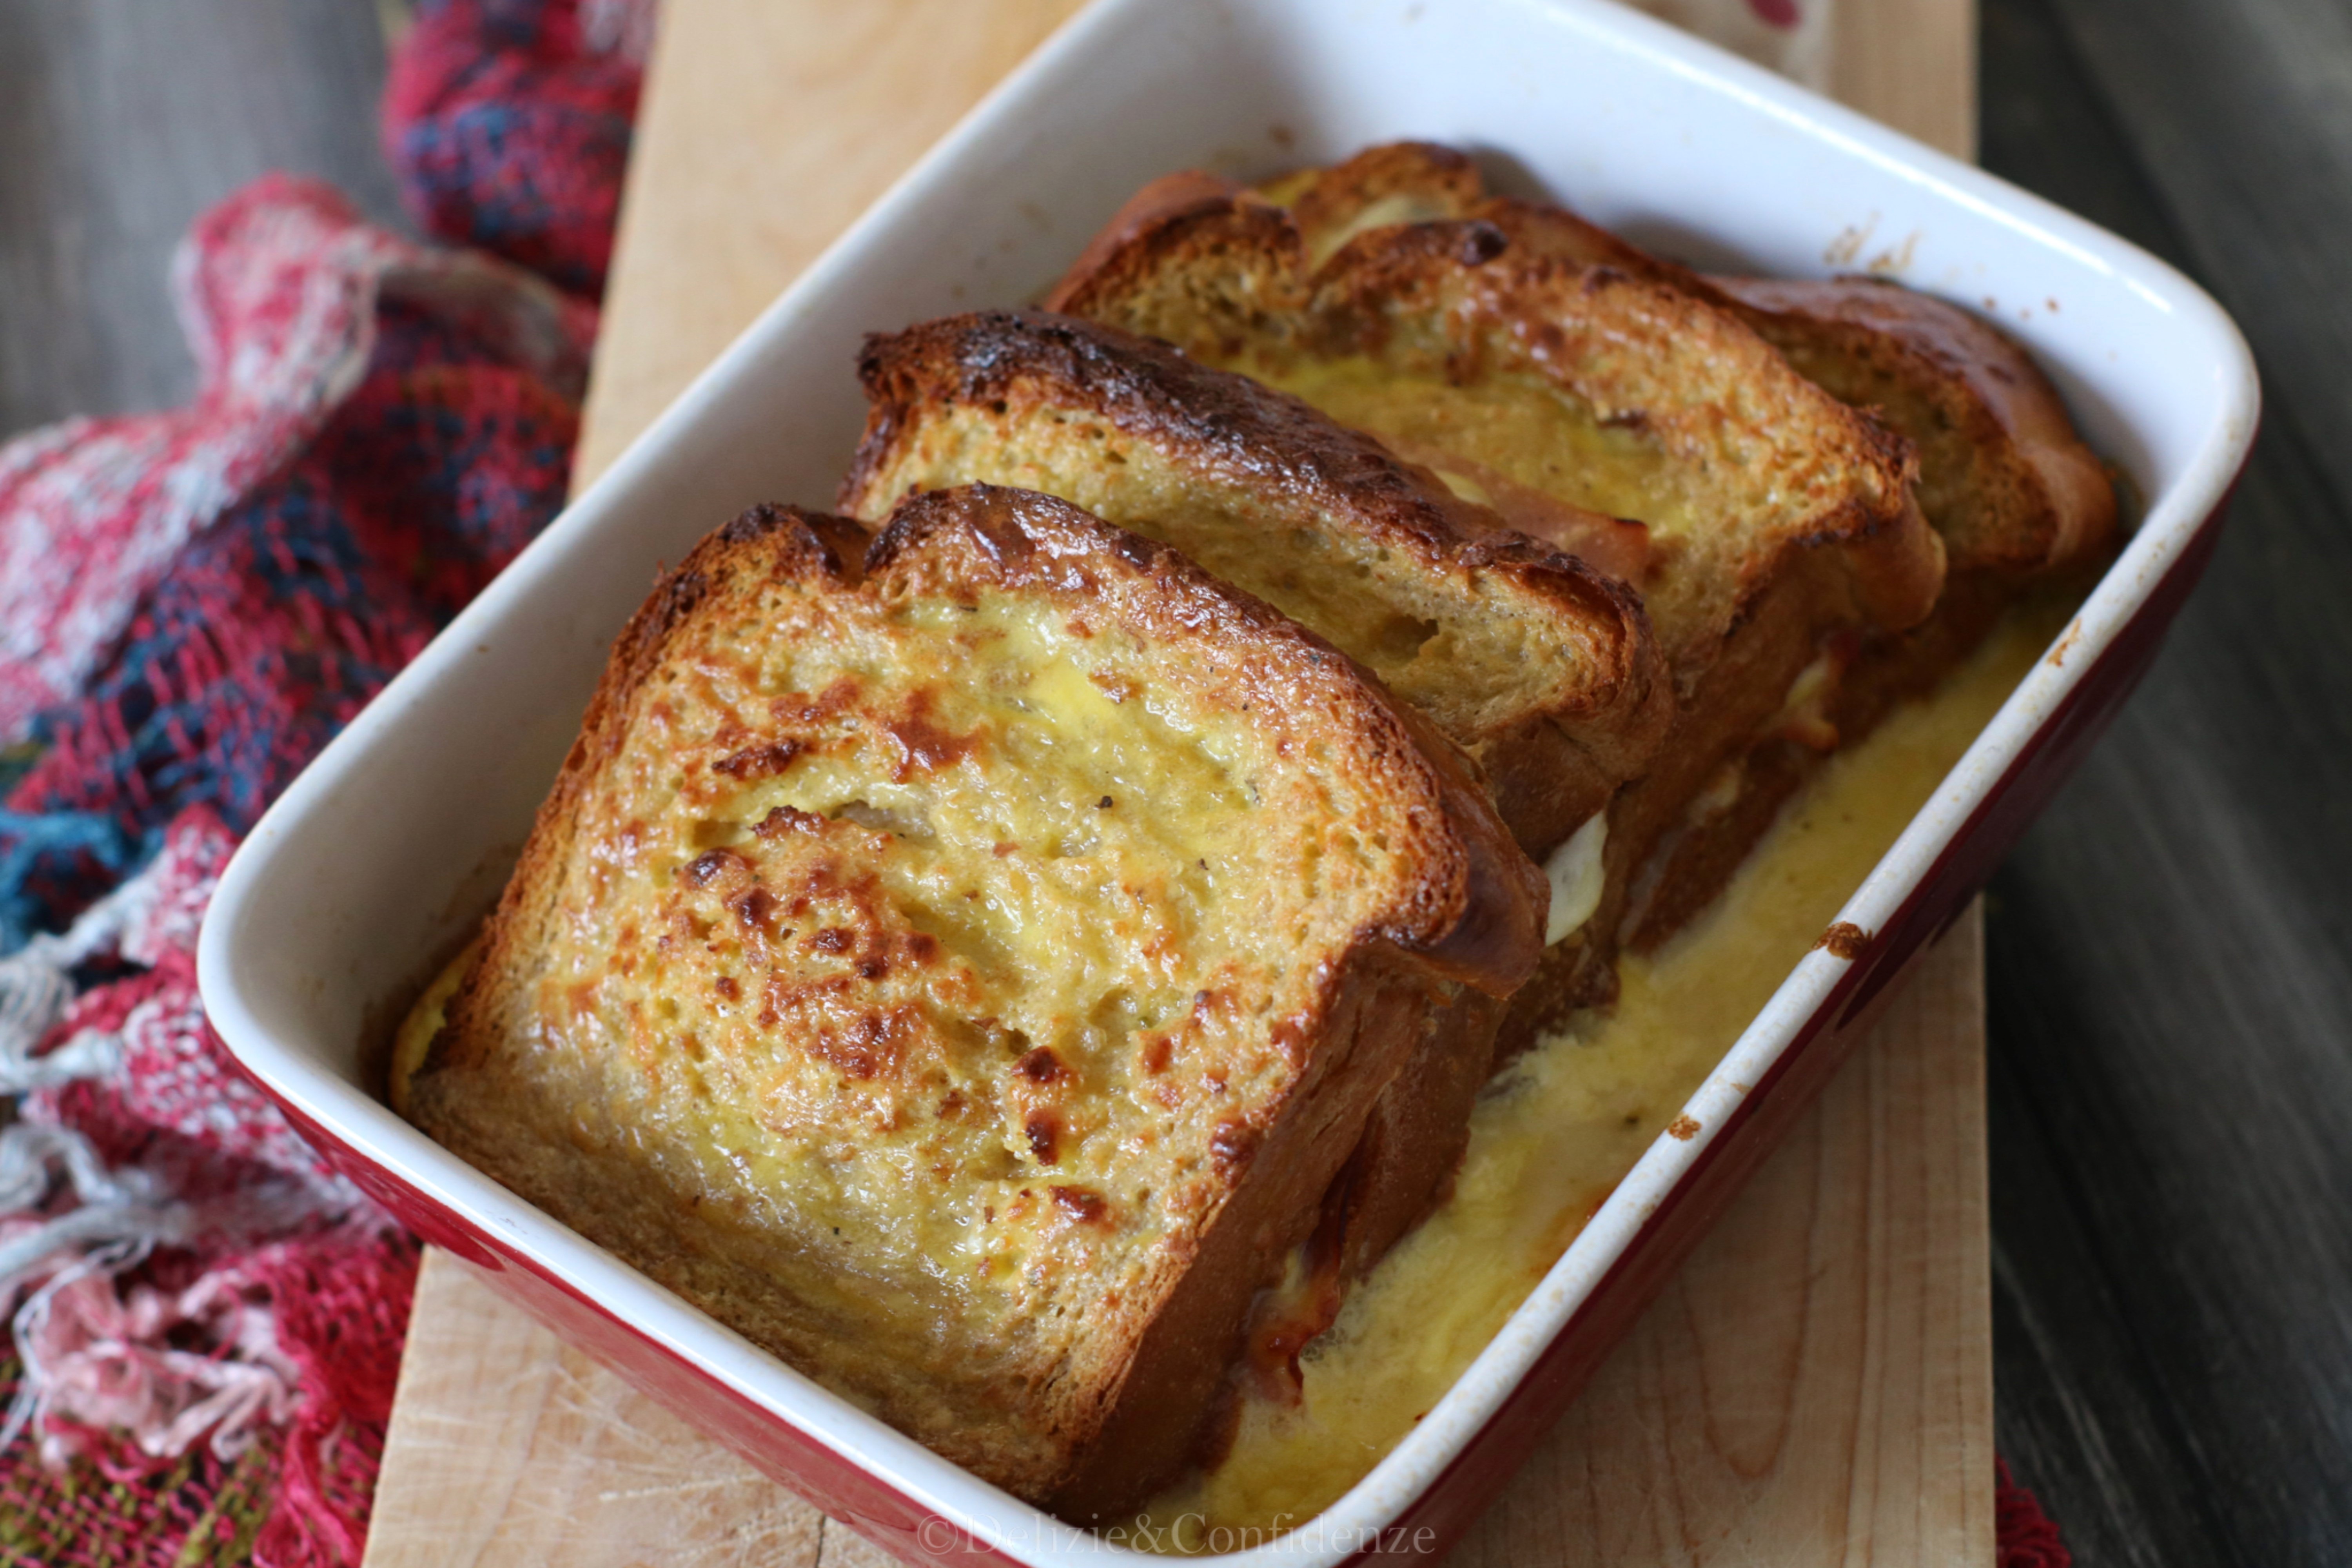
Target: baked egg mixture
<point x="1560" y="1127"/>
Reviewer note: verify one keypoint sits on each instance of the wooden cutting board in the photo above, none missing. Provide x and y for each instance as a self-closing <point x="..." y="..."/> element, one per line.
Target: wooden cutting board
<point x="1816" y="1385"/>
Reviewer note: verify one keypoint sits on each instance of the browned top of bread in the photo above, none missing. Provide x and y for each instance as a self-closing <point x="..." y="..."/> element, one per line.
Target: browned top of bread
<point x="963" y="969"/>
<point x="1526" y="377"/>
<point x="1541" y="667"/>
<point x="1421" y="182"/>
<point x="2003" y="475"/>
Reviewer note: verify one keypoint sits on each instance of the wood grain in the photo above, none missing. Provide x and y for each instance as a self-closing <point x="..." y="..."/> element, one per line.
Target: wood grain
<point x="1912" y="64"/>
<point x="2172" y="1091"/>
<point x="787" y="121"/>
<point x="1815" y="1387"/>
<point x="511" y="1448"/>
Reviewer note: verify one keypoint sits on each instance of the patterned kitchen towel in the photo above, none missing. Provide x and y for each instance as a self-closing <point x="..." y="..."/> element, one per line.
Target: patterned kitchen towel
<point x="206" y="1321"/>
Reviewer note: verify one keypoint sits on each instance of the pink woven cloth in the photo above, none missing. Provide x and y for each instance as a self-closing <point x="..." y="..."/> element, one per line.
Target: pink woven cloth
<point x="207" y="1319"/>
<point x="95" y="510"/>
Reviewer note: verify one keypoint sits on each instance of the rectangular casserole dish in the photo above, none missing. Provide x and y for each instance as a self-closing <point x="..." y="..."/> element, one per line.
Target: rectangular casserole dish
<point x="401" y="834"/>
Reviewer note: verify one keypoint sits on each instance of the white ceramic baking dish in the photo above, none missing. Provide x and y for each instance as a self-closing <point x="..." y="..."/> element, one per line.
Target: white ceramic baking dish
<point x="399" y="835"/>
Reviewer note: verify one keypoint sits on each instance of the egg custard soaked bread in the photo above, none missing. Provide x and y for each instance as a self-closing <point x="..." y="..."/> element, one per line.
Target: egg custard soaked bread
<point x="2021" y="505"/>
<point x="1762" y="516"/>
<point x="2003" y="475"/>
<point x="962" y="963"/>
<point x="1539" y="667"/>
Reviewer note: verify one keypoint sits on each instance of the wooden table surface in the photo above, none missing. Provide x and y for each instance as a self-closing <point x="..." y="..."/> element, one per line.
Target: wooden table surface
<point x="2171" y="1069"/>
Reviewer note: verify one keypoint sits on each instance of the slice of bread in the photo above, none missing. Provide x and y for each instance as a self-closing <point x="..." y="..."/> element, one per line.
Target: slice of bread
<point x="962" y="970"/>
<point x="2017" y="497"/>
<point x="1539" y="667"/>
<point x="1770" y="518"/>
<point x="2003" y="475"/>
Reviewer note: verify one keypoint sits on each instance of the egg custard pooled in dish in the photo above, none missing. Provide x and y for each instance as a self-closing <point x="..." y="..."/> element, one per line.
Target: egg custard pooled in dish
<point x="962" y="963"/>
<point x="1562" y="1124"/>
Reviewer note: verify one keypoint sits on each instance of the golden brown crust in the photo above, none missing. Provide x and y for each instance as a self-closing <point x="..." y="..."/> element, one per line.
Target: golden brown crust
<point x="1398" y="183"/>
<point x="2020" y="501"/>
<point x="782" y="540"/>
<point x="1537" y="666"/>
<point x="1169" y="198"/>
<point x="1353" y="1102"/>
<point x="2006" y="477"/>
<point x="1652" y="358"/>
<point x="1214" y="267"/>
<point x="1420" y="182"/>
<point x="1466" y="917"/>
<point x="686" y="873"/>
<point x="1152" y="1423"/>
<point x="1412" y="1145"/>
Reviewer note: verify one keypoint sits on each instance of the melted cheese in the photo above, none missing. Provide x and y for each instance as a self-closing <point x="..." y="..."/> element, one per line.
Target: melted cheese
<point x="1381" y="212"/>
<point x="424" y="1021"/>
<point x="1557" y="1130"/>
<point x="1577" y="872"/>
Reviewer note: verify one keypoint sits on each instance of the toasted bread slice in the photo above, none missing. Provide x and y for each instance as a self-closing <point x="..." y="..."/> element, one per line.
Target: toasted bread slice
<point x="1538" y="666"/>
<point x="2017" y="497"/>
<point x="964" y="975"/>
<point x="1772" y="519"/>
<point x="2003" y="475"/>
